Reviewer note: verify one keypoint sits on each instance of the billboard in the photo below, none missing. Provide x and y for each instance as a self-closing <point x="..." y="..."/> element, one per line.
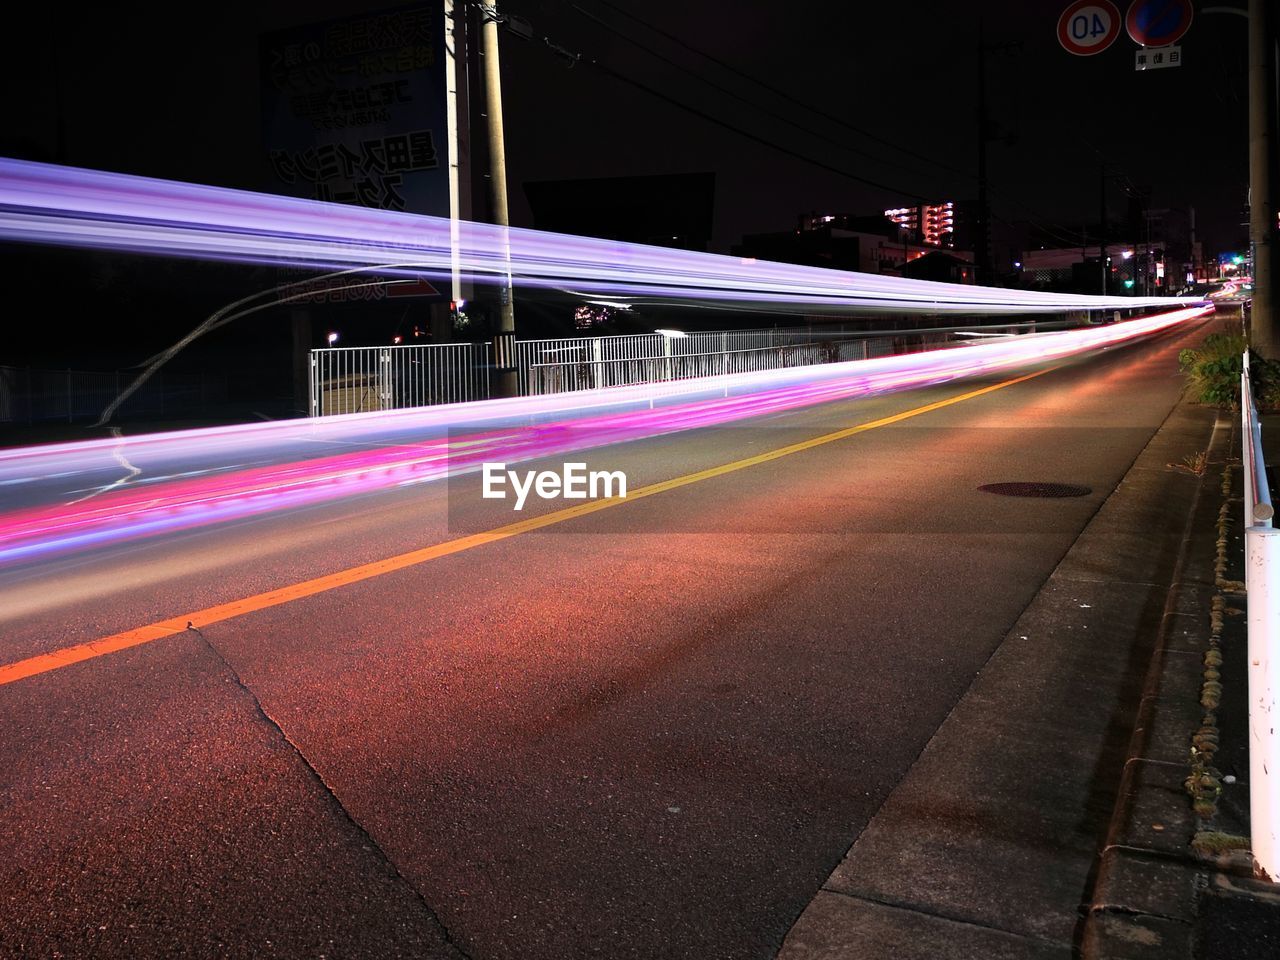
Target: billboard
<point x="354" y="110"/>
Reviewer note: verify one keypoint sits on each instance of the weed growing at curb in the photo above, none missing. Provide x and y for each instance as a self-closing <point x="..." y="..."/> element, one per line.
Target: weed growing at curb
<point x="1209" y="843"/>
<point x="1213" y="371"/>
<point x="1204" y="781"/>
<point x="1194" y="464"/>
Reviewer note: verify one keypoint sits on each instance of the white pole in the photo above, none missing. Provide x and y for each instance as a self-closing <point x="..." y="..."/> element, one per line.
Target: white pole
<point x="1262" y="583"/>
<point x="454" y="30"/>
<point x="504" y="337"/>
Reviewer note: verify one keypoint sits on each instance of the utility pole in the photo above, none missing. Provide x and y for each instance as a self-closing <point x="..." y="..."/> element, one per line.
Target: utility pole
<point x="984" y="271"/>
<point x="505" y="334"/>
<point x="982" y="216"/>
<point x="1264" y="324"/>
<point x="1196" y="265"/>
<point x="1151" y="276"/>
<point x="1102" y="226"/>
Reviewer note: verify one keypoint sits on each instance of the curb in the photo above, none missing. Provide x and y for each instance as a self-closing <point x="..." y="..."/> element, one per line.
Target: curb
<point x="1150" y="880"/>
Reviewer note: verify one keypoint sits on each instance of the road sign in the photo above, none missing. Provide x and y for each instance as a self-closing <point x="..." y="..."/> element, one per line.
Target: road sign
<point x="1088" y="27"/>
<point x="1153" y="58"/>
<point x="1158" y="23"/>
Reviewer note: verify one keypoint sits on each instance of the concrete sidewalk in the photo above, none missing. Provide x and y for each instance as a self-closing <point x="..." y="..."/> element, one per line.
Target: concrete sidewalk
<point x="989" y="846"/>
<point x="1188" y="890"/>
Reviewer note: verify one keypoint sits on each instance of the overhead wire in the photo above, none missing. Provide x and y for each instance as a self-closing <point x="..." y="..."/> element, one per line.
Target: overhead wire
<point x="727" y="91"/>
<point x="560" y="51"/>
<point x="777" y="91"/>
<point x="1037" y="219"/>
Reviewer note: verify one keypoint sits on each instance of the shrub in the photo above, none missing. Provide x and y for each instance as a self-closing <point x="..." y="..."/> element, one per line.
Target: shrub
<point x="1214" y="372"/>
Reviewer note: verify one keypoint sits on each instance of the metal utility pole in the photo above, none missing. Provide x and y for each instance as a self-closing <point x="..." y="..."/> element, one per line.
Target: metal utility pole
<point x="1264" y="325"/>
<point x="505" y="334"/>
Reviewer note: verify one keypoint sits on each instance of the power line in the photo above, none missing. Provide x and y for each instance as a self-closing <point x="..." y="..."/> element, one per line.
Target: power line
<point x="778" y="92"/>
<point x="755" y="105"/>
<point x="702" y="114"/>
<point x="559" y="51"/>
<point x="1048" y="226"/>
<point x="572" y="59"/>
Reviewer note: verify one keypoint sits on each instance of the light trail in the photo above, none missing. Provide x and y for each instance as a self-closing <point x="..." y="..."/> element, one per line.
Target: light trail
<point x="66" y="206"/>
<point x="289" y="593"/>
<point x="457" y="438"/>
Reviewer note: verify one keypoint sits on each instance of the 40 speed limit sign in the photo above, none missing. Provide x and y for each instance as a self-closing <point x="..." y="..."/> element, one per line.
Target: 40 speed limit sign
<point x="1088" y="27"/>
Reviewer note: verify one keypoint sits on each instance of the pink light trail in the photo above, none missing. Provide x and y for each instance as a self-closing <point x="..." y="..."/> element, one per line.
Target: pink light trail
<point x="515" y="430"/>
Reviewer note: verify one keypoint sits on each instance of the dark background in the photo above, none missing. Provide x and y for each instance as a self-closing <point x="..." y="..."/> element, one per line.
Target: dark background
<point x="174" y="92"/>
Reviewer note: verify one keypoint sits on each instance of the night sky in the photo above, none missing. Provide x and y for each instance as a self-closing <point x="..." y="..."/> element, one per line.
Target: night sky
<point x="141" y="91"/>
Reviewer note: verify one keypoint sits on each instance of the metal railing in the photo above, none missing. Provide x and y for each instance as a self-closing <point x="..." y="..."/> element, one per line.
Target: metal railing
<point x="1262" y="586"/>
<point x="570" y="375"/>
<point x="583" y="363"/>
<point x="360" y="379"/>
<point x="1257" y="493"/>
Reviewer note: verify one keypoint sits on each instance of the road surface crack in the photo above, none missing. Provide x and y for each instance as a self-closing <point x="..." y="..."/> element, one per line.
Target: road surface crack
<point x="328" y="791"/>
<point x="924" y="911"/>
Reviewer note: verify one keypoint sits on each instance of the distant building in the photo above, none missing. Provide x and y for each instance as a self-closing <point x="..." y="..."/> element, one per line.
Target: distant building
<point x="1077" y="269"/>
<point x="1152" y="251"/>
<point x="673" y="210"/>
<point x="933" y="224"/>
<point x="867" y="244"/>
<point x="945" y="267"/>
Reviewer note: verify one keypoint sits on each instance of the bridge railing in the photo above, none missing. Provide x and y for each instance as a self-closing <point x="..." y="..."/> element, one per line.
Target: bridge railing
<point x="586" y="374"/>
<point x="1262" y="585"/>
<point x="361" y="379"/>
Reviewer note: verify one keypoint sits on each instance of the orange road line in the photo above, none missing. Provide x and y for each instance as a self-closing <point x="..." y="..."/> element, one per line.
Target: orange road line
<point x="46" y="662"/>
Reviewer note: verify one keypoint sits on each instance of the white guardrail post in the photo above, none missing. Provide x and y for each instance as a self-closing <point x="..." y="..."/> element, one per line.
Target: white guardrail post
<point x="1262" y="581"/>
<point x="1262" y="586"/>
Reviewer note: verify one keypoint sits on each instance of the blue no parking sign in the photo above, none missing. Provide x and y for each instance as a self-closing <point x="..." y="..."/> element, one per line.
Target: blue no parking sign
<point x="1158" y="23"/>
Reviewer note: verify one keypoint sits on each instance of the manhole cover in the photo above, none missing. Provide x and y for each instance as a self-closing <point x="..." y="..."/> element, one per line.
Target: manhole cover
<point x="1036" y="489"/>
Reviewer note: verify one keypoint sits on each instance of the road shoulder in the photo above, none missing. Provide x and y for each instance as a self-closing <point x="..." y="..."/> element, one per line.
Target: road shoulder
<point x="990" y="841"/>
<point x="1176" y="879"/>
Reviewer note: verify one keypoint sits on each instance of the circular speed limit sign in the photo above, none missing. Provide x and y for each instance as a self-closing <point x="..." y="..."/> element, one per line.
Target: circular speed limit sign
<point x="1088" y="27"/>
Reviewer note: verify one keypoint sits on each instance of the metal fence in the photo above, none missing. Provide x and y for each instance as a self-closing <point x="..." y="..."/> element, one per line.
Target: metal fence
<point x="569" y="375"/>
<point x="1262" y="587"/>
<point x="359" y="379"/>
<point x="28" y="395"/>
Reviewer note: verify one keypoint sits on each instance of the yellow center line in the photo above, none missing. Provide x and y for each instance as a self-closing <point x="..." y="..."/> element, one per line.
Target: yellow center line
<point x="45" y="662"/>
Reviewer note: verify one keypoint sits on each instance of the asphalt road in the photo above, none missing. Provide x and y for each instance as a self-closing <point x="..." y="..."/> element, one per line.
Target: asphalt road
<point x="647" y="731"/>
